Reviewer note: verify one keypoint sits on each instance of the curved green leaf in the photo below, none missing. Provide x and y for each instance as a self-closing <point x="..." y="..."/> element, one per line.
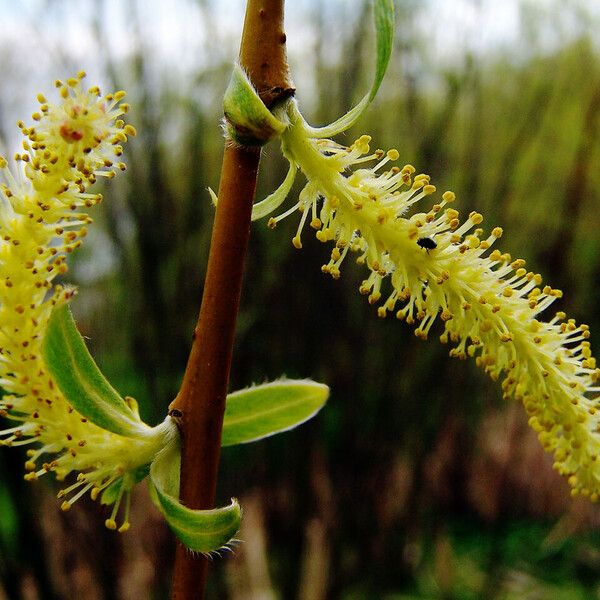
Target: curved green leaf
<point x="264" y="410"/>
<point x="200" y="530"/>
<point x="383" y="15"/>
<point x="275" y="200"/>
<point x="80" y="380"/>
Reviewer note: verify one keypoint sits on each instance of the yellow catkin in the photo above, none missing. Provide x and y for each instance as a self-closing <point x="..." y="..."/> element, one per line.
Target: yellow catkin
<point x="43" y="218"/>
<point x="432" y="265"/>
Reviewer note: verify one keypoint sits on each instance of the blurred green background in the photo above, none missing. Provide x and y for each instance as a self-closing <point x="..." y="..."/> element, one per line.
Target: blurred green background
<point x="416" y="481"/>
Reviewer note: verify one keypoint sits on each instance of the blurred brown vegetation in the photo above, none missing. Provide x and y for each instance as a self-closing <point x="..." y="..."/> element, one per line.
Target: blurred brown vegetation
<point x="417" y="480"/>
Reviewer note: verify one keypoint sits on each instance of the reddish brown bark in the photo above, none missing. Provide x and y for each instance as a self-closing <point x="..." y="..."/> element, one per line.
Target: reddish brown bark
<point x="200" y="403"/>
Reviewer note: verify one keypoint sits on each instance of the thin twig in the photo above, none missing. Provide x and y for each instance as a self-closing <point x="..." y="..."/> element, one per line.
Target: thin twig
<point x="200" y="403"/>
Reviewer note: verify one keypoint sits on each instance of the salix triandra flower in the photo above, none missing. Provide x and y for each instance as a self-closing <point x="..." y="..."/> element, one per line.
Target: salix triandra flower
<point x="426" y="264"/>
<point x="42" y="220"/>
<point x="58" y="403"/>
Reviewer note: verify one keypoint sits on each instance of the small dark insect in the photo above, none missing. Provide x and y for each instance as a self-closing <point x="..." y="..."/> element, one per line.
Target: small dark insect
<point x="426" y="243"/>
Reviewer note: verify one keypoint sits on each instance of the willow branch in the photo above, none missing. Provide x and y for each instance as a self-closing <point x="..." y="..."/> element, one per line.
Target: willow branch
<point x="200" y="403"/>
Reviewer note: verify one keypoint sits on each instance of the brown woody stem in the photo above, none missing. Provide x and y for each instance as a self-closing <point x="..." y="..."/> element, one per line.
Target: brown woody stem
<point x="200" y="403"/>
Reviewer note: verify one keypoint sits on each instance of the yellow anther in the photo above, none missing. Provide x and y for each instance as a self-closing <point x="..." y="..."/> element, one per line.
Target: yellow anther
<point x="297" y="242"/>
<point x="130" y="130"/>
<point x="393" y="154"/>
<point x="497" y="232"/>
<point x="449" y="196"/>
<point x="472" y="241"/>
<point x="110" y="524"/>
<point x="362" y="144"/>
<point x="429" y="189"/>
<point x="65" y="506"/>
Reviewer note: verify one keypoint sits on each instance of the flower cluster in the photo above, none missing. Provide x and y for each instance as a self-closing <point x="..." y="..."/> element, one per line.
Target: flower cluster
<point x="43" y="218"/>
<point x="437" y="266"/>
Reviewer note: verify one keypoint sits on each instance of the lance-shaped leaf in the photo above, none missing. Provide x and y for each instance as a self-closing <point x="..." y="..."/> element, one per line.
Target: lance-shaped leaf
<point x="80" y="380"/>
<point x="383" y="16"/>
<point x="275" y="200"/>
<point x="263" y="410"/>
<point x="200" y="530"/>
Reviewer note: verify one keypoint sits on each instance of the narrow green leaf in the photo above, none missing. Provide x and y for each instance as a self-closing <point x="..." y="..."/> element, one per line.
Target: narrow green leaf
<point x="275" y="200"/>
<point x="80" y="380"/>
<point x="343" y="123"/>
<point x="264" y="410"/>
<point x="200" y="530"/>
<point x="383" y="13"/>
<point x="383" y="16"/>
